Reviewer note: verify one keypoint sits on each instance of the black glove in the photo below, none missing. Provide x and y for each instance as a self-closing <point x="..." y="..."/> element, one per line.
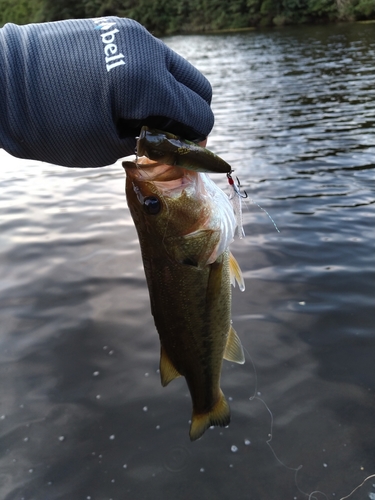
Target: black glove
<point x="77" y="92"/>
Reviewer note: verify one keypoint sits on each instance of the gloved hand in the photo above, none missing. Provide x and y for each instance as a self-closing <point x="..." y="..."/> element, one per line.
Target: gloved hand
<point x="77" y="92"/>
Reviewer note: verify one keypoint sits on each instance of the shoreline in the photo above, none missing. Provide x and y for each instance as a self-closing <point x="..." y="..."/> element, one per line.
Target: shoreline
<point x="249" y="29"/>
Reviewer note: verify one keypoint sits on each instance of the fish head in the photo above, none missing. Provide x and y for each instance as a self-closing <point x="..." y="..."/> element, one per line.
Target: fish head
<point x="179" y="211"/>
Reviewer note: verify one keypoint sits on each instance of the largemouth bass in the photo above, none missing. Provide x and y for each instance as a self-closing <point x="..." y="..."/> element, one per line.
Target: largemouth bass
<point x="185" y="223"/>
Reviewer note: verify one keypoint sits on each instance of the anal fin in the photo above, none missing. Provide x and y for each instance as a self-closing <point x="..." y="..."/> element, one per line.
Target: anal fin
<point x="167" y="370"/>
<point x="233" y="349"/>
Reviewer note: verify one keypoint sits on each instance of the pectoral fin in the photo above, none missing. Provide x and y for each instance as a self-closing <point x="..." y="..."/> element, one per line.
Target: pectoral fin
<point x="219" y="415"/>
<point x="234" y="350"/>
<point x="236" y="273"/>
<point x="167" y="370"/>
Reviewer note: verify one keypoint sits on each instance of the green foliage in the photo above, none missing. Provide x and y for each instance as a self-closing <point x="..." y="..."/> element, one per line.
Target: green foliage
<point x="365" y="9"/>
<point x="345" y="9"/>
<point x="270" y="8"/>
<point x="162" y="16"/>
<point x="54" y="10"/>
<point x="296" y="10"/>
<point x="178" y="16"/>
<point x="20" y="12"/>
<point x="323" y="9"/>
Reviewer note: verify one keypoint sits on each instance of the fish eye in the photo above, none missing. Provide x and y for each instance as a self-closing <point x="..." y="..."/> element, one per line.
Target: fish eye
<point x="152" y="205"/>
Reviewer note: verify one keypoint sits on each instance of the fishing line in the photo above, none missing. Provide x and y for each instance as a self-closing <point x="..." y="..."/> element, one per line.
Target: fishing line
<point x="265" y="211"/>
<point x="236" y="197"/>
<point x="359" y="486"/>
<point x="310" y="496"/>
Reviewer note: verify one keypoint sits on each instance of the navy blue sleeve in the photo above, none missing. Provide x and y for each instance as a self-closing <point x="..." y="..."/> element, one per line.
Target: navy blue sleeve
<point x="76" y="92"/>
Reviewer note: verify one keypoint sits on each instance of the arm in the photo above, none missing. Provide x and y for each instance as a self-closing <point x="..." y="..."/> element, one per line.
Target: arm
<point x="76" y="93"/>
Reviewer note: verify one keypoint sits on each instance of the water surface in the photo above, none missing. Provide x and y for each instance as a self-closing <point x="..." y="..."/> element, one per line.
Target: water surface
<point x="82" y="412"/>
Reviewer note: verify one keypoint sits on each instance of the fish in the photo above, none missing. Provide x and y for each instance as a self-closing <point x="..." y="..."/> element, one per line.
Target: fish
<point x="185" y="224"/>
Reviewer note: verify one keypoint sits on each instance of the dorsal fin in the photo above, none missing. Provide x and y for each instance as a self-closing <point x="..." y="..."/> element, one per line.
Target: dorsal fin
<point x="233" y="349"/>
<point x="167" y="370"/>
<point x="236" y="273"/>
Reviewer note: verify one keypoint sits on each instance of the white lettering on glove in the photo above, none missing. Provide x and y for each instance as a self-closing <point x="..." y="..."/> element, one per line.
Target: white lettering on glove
<point x="112" y="58"/>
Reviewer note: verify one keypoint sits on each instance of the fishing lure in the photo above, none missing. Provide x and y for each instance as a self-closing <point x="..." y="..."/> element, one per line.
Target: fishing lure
<point x="170" y="149"/>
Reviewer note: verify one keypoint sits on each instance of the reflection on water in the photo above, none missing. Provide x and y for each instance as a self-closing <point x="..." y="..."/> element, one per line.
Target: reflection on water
<point x="82" y="412"/>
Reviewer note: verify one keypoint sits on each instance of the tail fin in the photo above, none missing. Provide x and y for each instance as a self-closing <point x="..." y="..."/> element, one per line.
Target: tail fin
<point x="219" y="415"/>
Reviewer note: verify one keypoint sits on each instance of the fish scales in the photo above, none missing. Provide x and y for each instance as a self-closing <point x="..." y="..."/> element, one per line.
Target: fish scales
<point x="188" y="330"/>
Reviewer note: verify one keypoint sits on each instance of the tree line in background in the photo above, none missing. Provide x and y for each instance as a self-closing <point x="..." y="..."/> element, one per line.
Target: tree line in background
<point x="187" y="16"/>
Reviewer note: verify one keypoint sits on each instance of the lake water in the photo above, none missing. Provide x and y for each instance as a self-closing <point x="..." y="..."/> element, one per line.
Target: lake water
<point x="82" y="412"/>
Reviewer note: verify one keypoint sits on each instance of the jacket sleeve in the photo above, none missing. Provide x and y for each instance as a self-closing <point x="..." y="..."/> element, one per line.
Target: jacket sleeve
<point x="76" y="92"/>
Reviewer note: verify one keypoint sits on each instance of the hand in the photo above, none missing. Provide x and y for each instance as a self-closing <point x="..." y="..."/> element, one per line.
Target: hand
<point x="77" y="92"/>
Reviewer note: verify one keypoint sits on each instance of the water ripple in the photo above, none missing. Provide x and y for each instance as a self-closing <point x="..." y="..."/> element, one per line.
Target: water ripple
<point x="295" y="117"/>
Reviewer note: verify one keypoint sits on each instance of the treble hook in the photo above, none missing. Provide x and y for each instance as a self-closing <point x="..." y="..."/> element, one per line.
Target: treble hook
<point x="236" y="200"/>
<point x="236" y="187"/>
